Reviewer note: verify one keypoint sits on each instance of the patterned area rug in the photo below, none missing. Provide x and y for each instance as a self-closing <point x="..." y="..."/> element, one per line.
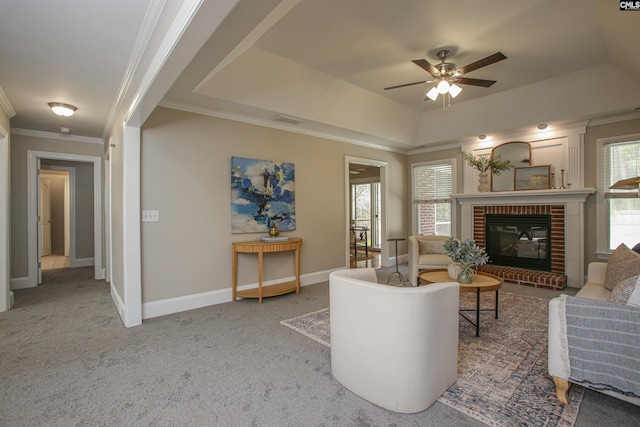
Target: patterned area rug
<point x="502" y="375"/>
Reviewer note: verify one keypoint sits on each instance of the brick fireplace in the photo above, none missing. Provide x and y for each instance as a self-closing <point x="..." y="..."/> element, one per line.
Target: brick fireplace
<point x="553" y="279"/>
<point x="566" y="208"/>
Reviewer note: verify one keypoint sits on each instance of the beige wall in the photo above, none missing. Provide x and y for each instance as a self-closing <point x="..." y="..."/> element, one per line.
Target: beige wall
<point x="5" y="229"/>
<point x="115" y="164"/>
<point x="186" y="176"/>
<point x="20" y="144"/>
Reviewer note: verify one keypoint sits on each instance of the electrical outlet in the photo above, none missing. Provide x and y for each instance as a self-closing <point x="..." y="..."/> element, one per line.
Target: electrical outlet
<point x="150" y="216"/>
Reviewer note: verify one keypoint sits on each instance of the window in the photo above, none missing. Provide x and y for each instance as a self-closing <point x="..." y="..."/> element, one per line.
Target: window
<point x="432" y="185"/>
<point x="620" y="213"/>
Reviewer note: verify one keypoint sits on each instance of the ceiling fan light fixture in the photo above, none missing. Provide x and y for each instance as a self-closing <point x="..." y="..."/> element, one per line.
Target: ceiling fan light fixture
<point x="433" y="94"/>
<point x="62" y="109"/>
<point x="443" y="87"/>
<point x="455" y="90"/>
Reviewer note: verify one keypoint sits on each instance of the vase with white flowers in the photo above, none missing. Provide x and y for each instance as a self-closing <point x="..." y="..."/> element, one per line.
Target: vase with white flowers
<point x="483" y="164"/>
<point x="467" y="255"/>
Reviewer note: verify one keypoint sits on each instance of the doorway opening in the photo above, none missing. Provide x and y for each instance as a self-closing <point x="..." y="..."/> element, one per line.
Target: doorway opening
<point x="92" y="246"/>
<point x="366" y="207"/>
<point x="365" y="210"/>
<point x="55" y="216"/>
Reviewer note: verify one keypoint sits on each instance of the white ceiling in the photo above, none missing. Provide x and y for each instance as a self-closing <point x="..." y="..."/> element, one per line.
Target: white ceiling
<point x="325" y="63"/>
<point x="70" y="51"/>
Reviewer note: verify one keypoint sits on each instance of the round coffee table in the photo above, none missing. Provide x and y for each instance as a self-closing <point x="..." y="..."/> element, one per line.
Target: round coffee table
<point x="482" y="282"/>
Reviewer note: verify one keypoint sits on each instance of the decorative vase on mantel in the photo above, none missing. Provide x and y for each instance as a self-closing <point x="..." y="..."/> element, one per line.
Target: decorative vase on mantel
<point x="484" y="182"/>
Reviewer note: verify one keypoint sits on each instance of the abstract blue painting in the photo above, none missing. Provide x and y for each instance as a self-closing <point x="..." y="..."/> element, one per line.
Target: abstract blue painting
<point x="262" y="195"/>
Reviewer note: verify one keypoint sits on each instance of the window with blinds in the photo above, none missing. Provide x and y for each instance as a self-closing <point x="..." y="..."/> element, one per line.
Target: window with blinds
<point x="621" y="160"/>
<point x="432" y="185"/>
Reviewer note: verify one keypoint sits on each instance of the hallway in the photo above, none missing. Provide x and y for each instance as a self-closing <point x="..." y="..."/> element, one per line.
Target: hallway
<point x="54" y="261"/>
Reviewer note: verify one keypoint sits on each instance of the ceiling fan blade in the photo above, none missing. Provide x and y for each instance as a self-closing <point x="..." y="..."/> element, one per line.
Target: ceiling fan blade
<point x="482" y="63"/>
<point x="422" y="63"/>
<point x="474" y="82"/>
<point x="406" y="84"/>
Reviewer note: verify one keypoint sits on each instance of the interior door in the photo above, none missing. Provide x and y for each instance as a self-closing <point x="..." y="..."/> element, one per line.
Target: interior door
<point x="45" y="217"/>
<point x="365" y="210"/>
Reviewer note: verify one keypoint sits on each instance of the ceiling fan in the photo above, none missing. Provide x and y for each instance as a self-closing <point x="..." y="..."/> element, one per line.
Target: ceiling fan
<point x="447" y="76"/>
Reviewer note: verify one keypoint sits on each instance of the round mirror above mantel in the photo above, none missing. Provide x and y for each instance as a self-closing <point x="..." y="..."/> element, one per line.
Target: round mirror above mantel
<point x="518" y="153"/>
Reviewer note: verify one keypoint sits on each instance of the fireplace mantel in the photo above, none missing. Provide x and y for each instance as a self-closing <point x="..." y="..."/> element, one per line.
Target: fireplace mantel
<point x="525" y="197"/>
<point x="573" y="202"/>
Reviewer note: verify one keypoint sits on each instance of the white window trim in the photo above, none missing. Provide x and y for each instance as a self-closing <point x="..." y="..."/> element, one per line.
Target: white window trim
<point x="602" y="215"/>
<point x="412" y="205"/>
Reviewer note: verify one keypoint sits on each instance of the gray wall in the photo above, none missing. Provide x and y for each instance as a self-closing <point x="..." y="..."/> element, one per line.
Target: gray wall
<point x="186" y="176"/>
<point x="20" y="144"/>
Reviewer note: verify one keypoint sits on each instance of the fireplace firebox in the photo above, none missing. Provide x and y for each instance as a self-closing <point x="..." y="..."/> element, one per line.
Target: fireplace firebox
<point x="519" y="240"/>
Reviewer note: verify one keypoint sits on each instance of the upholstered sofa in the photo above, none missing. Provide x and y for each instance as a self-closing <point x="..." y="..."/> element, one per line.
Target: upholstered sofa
<point x="425" y="253"/>
<point x="593" y="341"/>
<point x="396" y="347"/>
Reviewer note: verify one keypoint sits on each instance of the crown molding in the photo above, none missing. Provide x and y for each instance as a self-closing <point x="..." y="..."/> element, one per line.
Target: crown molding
<point x="144" y="35"/>
<point x="614" y="119"/>
<point x="59" y="136"/>
<point x="6" y="105"/>
<point x="275" y="125"/>
<point x="432" y="148"/>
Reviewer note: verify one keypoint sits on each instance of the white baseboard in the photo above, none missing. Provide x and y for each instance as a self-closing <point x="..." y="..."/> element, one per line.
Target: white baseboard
<point x="21" y="283"/>
<point x="117" y="301"/>
<point x="204" y="299"/>
<point x="82" y="262"/>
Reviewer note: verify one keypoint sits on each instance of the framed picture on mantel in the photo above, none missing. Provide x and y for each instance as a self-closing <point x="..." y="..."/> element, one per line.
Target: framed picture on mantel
<point x="532" y="177"/>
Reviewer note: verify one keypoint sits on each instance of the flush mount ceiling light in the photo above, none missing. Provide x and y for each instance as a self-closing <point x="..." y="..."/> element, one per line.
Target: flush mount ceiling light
<point x="542" y="126"/>
<point x="482" y="137"/>
<point x="61" y="109"/>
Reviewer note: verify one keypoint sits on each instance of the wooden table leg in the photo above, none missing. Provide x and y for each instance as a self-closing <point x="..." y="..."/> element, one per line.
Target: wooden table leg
<point x="234" y="283"/>
<point x="297" y="255"/>
<point x="260" y="277"/>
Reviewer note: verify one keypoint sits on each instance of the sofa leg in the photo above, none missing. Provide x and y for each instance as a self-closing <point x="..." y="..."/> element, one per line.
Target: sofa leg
<point x="562" y="389"/>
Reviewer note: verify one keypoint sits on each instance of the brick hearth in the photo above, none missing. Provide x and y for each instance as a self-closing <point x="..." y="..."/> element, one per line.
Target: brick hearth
<point x="524" y="277"/>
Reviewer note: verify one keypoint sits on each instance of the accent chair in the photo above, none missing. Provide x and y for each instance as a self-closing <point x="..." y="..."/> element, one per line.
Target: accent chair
<point x="396" y="347"/>
<point x="425" y="253"/>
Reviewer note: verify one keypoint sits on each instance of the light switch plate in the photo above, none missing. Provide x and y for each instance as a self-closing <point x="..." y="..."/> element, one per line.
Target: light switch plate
<point x="150" y="216"/>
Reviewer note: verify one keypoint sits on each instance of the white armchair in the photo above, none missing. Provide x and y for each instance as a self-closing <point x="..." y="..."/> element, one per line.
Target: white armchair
<point x="425" y="253"/>
<point x="396" y="347"/>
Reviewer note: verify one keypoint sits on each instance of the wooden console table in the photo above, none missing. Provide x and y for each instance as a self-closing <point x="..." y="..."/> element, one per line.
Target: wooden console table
<point x="259" y="247"/>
